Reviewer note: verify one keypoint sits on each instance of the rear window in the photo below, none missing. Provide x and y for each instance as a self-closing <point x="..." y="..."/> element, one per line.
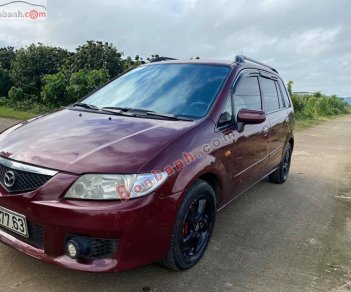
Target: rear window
<point x="270" y="96"/>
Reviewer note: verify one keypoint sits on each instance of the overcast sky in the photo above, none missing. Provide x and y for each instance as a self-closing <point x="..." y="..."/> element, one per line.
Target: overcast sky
<point x="309" y="42"/>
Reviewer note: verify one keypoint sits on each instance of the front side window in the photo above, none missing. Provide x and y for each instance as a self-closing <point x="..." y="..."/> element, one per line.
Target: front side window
<point x="270" y="95"/>
<point x="247" y="95"/>
<point x="178" y="89"/>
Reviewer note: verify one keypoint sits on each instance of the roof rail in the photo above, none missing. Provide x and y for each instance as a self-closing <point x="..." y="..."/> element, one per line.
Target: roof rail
<point x="242" y="59"/>
<point x="159" y="59"/>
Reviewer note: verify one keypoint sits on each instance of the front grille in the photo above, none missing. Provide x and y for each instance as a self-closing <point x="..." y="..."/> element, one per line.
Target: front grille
<point x="100" y="248"/>
<point x="35" y="232"/>
<point x="25" y="177"/>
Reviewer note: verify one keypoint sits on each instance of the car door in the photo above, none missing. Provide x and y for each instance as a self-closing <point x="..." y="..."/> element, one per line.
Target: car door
<point x="249" y="145"/>
<point x="277" y="115"/>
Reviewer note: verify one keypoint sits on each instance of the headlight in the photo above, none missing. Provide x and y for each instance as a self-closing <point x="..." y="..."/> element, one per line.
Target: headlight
<point x="115" y="187"/>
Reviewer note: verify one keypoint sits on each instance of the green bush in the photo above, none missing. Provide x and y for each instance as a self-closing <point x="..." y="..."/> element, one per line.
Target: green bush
<point x="54" y="91"/>
<point x="61" y="89"/>
<point x="83" y="81"/>
<point x="318" y="105"/>
<point x="17" y="94"/>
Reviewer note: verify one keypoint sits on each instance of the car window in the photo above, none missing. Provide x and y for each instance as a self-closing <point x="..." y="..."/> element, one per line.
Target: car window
<point x="247" y="95"/>
<point x="179" y="89"/>
<point x="285" y="94"/>
<point x="228" y="110"/>
<point x="269" y="93"/>
<point x="281" y="99"/>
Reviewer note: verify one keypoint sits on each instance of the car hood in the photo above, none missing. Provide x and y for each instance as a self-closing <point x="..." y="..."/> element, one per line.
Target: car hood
<point x="86" y="142"/>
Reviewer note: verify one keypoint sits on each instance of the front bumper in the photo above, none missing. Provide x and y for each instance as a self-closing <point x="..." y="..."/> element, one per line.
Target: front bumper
<point x="142" y="227"/>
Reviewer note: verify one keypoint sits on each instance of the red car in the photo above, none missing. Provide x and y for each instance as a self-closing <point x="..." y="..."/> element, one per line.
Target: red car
<point x="135" y="172"/>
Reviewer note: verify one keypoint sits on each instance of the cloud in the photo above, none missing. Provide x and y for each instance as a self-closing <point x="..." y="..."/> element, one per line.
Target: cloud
<point x="307" y="41"/>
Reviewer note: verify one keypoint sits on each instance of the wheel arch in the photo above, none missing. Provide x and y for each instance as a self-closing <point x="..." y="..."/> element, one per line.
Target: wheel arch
<point x="214" y="181"/>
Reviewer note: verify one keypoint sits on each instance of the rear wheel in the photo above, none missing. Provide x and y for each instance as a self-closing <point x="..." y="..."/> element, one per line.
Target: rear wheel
<point x="281" y="174"/>
<point x="193" y="227"/>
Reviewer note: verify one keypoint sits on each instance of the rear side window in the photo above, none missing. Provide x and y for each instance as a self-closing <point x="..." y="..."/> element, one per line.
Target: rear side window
<point x="270" y="95"/>
<point x="285" y="94"/>
<point x="247" y="95"/>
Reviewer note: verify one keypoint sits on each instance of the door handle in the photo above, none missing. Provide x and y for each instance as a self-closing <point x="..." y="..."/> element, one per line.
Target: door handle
<point x="265" y="131"/>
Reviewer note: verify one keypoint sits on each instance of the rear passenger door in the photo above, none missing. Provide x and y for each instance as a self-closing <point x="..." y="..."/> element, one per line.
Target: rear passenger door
<point x="277" y="115"/>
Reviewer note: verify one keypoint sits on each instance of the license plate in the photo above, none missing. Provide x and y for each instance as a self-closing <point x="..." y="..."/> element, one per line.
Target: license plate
<point x="13" y="221"/>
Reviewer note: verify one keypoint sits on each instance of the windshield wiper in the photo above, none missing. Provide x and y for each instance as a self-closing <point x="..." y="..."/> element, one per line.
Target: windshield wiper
<point x="104" y="110"/>
<point x="168" y="116"/>
<point x="85" y="105"/>
<point x="132" y="112"/>
<point x="124" y="109"/>
<point x="143" y="112"/>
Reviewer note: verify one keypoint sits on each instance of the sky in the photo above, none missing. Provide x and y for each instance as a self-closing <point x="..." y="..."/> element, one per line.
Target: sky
<point x="308" y="42"/>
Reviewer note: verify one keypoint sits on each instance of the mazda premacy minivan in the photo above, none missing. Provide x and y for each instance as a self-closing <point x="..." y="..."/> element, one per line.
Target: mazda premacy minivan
<point x="134" y="172"/>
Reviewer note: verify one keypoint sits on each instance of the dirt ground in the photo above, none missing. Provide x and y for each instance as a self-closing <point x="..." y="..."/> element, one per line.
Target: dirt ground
<point x="290" y="237"/>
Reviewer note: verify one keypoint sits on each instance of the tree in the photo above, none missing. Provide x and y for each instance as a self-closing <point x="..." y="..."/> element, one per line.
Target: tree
<point x="318" y="94"/>
<point x="54" y="91"/>
<point x="290" y="83"/>
<point x="153" y="57"/>
<point x="32" y="63"/>
<point x="129" y="63"/>
<point x="7" y="55"/>
<point x="61" y="89"/>
<point x="83" y="81"/>
<point x="5" y="82"/>
<point x="95" y="55"/>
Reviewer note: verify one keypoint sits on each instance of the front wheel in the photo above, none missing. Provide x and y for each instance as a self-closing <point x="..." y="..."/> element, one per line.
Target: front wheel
<point x="280" y="175"/>
<point x="193" y="227"/>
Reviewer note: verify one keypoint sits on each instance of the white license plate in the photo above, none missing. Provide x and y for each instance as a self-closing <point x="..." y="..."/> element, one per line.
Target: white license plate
<point x="13" y="221"/>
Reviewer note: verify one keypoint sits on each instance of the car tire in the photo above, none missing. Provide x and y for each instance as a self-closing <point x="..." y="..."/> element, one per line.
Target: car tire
<point x="280" y="175"/>
<point x="193" y="227"/>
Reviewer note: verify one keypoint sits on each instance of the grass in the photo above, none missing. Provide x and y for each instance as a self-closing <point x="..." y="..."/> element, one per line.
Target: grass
<point x="6" y="112"/>
<point x="305" y="123"/>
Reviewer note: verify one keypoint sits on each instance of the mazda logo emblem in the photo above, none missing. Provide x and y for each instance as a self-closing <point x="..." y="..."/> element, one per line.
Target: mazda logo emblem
<point x="9" y="179"/>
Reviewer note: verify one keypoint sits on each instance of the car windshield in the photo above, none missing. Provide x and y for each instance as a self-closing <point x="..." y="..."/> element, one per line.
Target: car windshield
<point x="177" y="89"/>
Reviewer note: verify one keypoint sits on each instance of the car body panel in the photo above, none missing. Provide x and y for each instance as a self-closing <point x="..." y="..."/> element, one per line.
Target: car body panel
<point x="80" y="142"/>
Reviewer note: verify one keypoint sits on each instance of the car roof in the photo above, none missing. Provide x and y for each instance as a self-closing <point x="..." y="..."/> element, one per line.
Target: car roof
<point x="228" y="63"/>
<point x="195" y="61"/>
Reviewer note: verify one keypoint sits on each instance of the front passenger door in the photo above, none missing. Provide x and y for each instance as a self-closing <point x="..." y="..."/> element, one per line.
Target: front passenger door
<point x="252" y="142"/>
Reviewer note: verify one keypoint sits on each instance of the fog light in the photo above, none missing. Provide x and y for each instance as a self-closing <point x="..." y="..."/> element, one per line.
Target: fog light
<point x="72" y="250"/>
<point x="77" y="248"/>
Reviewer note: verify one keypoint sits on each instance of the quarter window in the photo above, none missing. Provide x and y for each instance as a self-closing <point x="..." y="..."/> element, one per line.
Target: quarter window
<point x="247" y="95"/>
<point x="285" y="94"/>
<point x="270" y="96"/>
<point x="228" y="110"/>
<point x="281" y="99"/>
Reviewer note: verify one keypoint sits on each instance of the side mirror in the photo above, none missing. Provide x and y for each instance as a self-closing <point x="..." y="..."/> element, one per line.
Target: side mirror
<point x="224" y="118"/>
<point x="247" y="116"/>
